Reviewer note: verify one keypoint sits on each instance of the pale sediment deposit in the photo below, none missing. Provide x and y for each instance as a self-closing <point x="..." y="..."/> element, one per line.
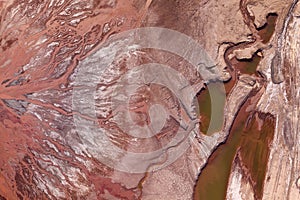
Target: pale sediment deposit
<point x="100" y="99"/>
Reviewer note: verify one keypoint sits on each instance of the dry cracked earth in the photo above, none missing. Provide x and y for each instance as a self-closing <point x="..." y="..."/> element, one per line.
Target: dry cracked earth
<point x="149" y="99"/>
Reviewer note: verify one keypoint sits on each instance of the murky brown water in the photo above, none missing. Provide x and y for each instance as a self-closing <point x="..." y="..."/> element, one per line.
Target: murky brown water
<point x="212" y="182"/>
<point x="267" y="30"/>
<point x="252" y="145"/>
<point x="248" y="66"/>
<point x="254" y="149"/>
<point x="215" y="91"/>
<point x="249" y="137"/>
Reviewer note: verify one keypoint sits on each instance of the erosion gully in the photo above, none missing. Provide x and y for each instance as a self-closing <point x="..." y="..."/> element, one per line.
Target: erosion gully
<point x="249" y="138"/>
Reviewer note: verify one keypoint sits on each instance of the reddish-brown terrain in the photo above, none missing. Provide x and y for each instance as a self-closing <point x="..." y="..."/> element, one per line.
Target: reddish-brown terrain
<point x="149" y="99"/>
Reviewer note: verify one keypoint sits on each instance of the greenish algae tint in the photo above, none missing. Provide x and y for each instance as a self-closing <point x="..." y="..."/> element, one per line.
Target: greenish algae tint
<point x="212" y="182"/>
<point x="206" y="111"/>
<point x="252" y="144"/>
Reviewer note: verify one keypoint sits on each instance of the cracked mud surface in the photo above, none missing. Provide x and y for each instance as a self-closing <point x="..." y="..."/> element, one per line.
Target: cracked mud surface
<point x="210" y="90"/>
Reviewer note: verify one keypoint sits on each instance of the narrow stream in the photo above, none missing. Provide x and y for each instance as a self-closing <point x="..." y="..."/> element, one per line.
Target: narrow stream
<point x="248" y="139"/>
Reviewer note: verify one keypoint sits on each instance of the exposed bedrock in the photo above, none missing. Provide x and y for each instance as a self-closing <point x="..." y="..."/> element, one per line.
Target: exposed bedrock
<point x="89" y="113"/>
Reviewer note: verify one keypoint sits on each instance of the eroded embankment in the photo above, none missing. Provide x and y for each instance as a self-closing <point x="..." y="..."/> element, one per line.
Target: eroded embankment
<point x="251" y="132"/>
<point x="41" y="44"/>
